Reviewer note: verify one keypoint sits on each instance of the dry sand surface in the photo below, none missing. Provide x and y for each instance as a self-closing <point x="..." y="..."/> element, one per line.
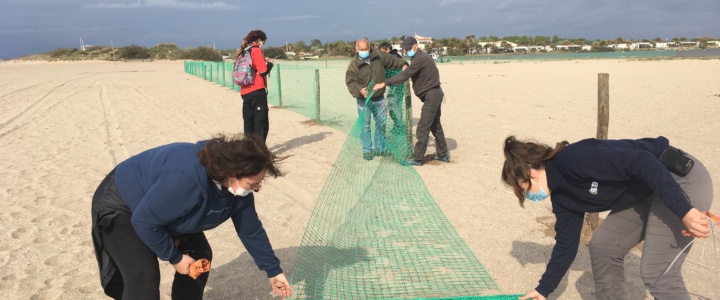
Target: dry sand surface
<point x="64" y="125"/>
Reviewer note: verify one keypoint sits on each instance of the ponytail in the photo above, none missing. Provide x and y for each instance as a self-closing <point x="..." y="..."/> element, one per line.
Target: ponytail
<point x="252" y="37"/>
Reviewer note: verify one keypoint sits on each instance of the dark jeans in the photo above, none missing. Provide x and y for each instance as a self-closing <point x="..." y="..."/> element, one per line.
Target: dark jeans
<point x="137" y="274"/>
<point x="430" y="122"/>
<point x="255" y="114"/>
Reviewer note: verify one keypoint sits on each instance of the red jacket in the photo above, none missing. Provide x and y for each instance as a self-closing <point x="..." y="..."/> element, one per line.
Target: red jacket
<point x="260" y="66"/>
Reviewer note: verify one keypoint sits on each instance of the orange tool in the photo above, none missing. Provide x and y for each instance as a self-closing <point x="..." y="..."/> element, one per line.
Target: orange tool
<point x="200" y="266"/>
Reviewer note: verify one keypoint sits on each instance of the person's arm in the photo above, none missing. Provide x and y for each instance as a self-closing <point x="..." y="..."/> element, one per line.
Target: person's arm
<point x="392" y="61"/>
<point x="406" y="74"/>
<point x="258" y="61"/>
<point x="254" y="238"/>
<point x="568" y="226"/>
<point x="352" y="80"/>
<point x="169" y="199"/>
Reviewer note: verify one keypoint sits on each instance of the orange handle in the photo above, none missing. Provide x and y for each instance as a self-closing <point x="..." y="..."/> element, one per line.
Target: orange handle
<point x="200" y="266"/>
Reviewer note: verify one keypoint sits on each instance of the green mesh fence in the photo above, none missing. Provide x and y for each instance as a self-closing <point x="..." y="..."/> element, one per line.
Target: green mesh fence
<point x="375" y="231"/>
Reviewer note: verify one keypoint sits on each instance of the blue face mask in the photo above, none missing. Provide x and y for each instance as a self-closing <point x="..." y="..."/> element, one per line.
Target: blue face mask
<point x="364" y="54"/>
<point x="410" y="53"/>
<point x="540" y="195"/>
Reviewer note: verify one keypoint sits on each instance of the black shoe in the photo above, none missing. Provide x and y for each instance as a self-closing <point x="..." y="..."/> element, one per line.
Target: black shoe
<point x="385" y="152"/>
<point x="413" y="162"/>
<point x="368" y="156"/>
<point x="443" y="158"/>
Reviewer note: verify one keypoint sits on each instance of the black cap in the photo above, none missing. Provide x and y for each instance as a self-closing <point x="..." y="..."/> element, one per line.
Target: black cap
<point x="408" y="42"/>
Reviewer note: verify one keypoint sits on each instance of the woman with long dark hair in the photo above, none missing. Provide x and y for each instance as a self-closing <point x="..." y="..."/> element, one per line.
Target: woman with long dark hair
<point x="255" y="106"/>
<point x="632" y="179"/>
<point x="156" y="205"/>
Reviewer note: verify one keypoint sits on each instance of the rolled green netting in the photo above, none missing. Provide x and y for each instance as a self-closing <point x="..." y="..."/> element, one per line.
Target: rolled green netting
<point x="377" y="233"/>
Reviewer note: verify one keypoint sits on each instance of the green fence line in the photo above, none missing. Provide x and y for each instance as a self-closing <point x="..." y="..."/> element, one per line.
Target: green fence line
<point x="554" y="56"/>
<point x="316" y="93"/>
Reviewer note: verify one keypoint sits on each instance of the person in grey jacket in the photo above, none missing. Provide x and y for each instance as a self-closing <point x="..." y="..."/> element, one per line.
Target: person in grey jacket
<point x="369" y="64"/>
<point x="426" y="85"/>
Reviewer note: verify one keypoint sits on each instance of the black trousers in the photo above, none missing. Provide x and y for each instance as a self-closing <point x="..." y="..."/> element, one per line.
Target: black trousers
<point x="430" y="122"/>
<point x="137" y="274"/>
<point x="255" y="114"/>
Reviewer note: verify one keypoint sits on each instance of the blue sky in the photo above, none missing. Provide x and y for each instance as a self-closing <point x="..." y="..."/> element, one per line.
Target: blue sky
<point x="35" y="26"/>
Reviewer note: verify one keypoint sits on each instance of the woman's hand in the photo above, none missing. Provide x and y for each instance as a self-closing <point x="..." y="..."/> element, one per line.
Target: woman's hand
<point x="534" y="295"/>
<point x="183" y="267"/>
<point x="696" y="223"/>
<point x="281" y="286"/>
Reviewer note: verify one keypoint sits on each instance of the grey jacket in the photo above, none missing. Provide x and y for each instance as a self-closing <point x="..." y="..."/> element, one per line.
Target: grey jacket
<point x="423" y="71"/>
<point x="360" y="72"/>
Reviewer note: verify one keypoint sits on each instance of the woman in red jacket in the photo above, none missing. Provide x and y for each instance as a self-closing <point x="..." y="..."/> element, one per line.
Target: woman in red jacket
<point x="255" y="106"/>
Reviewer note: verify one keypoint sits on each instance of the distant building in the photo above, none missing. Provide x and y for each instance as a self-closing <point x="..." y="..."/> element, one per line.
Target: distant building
<point x="422" y="41"/>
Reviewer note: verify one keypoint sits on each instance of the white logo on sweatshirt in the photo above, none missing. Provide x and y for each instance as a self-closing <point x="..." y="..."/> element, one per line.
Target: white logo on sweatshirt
<point x="593" y="188"/>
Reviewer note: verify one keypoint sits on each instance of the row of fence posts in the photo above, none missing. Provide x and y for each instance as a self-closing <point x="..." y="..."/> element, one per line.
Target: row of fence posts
<point x="202" y="68"/>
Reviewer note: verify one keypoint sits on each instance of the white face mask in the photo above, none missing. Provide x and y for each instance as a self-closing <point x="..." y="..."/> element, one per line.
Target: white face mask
<point x="241" y="192"/>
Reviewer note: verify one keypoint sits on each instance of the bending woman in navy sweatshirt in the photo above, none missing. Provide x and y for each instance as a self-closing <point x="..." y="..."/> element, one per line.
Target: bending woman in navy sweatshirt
<point x="157" y="204"/>
<point x="646" y="202"/>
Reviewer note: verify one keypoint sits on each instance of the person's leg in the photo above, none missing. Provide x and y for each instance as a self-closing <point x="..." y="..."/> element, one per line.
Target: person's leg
<point x="261" y="114"/>
<point x="621" y="230"/>
<point x="379" y="113"/>
<point x="436" y="127"/>
<point x="248" y="115"/>
<point x="365" y="138"/>
<point x="137" y="264"/>
<point x="396" y="111"/>
<point x="427" y="117"/>
<point x="185" y="287"/>
<point x="663" y="240"/>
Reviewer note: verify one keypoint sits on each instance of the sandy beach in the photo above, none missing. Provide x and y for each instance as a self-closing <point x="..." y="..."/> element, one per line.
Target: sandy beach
<point x="65" y="125"/>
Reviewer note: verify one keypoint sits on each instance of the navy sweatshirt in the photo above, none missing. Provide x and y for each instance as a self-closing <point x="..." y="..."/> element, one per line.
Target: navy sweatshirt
<point x="598" y="175"/>
<point x="169" y="193"/>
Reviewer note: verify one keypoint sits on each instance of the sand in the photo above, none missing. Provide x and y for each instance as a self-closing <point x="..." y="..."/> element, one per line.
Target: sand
<point x="64" y="125"/>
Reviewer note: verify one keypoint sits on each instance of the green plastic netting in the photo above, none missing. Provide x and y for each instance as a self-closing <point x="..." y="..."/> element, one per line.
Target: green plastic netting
<point x="377" y="233"/>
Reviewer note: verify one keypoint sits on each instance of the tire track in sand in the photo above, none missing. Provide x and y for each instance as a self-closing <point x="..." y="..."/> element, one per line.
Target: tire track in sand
<point x="114" y="141"/>
<point x="35" y="110"/>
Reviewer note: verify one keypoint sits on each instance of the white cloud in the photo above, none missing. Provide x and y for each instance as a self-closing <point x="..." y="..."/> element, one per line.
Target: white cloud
<point x="166" y="4"/>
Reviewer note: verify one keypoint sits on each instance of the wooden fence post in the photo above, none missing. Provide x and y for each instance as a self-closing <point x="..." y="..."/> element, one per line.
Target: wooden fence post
<point x="408" y="117"/>
<point x="592" y="220"/>
<point x="279" y="85"/>
<point x="317" y="95"/>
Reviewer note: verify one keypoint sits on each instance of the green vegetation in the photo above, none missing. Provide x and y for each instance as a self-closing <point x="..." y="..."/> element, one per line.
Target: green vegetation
<point x="453" y="46"/>
<point x="135" y="52"/>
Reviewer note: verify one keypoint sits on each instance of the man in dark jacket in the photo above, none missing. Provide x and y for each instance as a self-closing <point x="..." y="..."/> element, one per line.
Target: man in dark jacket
<point x="369" y="64"/>
<point x="426" y="85"/>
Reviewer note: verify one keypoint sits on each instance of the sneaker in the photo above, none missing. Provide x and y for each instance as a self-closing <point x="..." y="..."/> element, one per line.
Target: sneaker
<point x="443" y="158"/>
<point x="368" y="156"/>
<point x="413" y="162"/>
<point x="385" y="152"/>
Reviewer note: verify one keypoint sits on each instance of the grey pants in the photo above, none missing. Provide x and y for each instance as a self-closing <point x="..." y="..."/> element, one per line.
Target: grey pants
<point x="430" y="122"/>
<point x="652" y="222"/>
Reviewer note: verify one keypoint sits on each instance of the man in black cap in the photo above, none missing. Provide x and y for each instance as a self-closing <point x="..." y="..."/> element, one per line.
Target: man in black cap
<point x="426" y="85"/>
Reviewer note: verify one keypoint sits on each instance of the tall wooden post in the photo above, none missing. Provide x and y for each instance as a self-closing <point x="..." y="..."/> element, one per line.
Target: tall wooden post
<point x="317" y="95"/>
<point x="279" y="84"/>
<point x="408" y="117"/>
<point x="592" y="220"/>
